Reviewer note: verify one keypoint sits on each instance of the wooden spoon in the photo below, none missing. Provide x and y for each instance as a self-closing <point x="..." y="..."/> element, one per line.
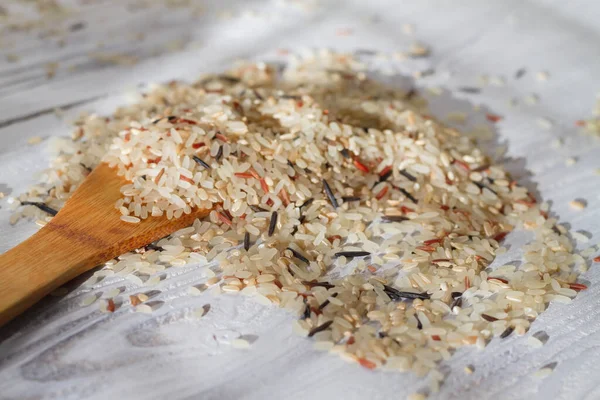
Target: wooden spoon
<point x="85" y="233"/>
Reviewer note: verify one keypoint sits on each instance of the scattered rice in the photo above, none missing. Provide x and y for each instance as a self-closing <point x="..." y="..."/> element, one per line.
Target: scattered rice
<point x="545" y="123"/>
<point x="51" y="69"/>
<point x="107" y="306"/>
<point x="89" y="299"/>
<point x="194" y="291"/>
<point x="591" y="125"/>
<point x="130" y="219"/>
<point x="213" y="281"/>
<point x="534" y="342"/>
<point x="113" y="293"/>
<point x="483" y="80"/>
<point x="569" y="162"/>
<point x="240" y="343"/>
<point x="541" y="336"/>
<point x="542" y="76"/>
<point x="457" y="117"/>
<point x="589" y="251"/>
<point x="201" y="311"/>
<point x="557" y="143"/>
<point x="435" y="90"/>
<point x="142" y="297"/>
<point x="266" y="142"/>
<point x="408" y="29"/>
<point x="497" y="81"/>
<point x="531" y="99"/>
<point x="542" y="373"/>
<point x="34" y="140"/>
<point x="580" y="237"/>
<point x="143" y="308"/>
<point x="545" y="370"/>
<point x="419" y="50"/>
<point x="577" y="204"/>
<point x="12" y="58"/>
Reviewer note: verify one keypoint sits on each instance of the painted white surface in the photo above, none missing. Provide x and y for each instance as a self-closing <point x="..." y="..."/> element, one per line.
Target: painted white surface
<point x="61" y="350"/>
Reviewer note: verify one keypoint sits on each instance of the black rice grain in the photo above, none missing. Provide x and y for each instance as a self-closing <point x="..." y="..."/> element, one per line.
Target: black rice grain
<point x="298" y="255"/>
<point x="330" y="195"/>
<point x="42" y="206"/>
<point x="199" y="161"/>
<point x="246" y="241"/>
<point x="351" y="254"/>
<point x="319" y="328"/>
<point x="272" y="223"/>
<point x="397" y="295"/>
<point x="507" y="332"/>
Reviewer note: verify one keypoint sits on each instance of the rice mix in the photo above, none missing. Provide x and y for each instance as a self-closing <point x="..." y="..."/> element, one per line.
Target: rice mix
<point x="332" y="196"/>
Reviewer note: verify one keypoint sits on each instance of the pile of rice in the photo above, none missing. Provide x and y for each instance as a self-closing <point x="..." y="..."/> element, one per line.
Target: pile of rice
<point x="334" y="197"/>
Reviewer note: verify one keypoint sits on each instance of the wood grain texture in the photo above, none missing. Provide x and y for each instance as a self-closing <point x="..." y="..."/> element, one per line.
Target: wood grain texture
<point x="85" y="233"/>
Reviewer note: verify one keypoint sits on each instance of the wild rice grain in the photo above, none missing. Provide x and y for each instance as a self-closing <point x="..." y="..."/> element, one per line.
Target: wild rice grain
<point x="298" y="255"/>
<point x="398" y="295"/>
<point x="201" y="162"/>
<point x="330" y="195"/>
<point x="394" y="218"/>
<point x="307" y="310"/>
<point x="419" y="324"/>
<point x="319" y="328"/>
<point x="272" y="223"/>
<point x="326" y="302"/>
<point x="507" y="332"/>
<point x="247" y="241"/>
<point x="407" y="175"/>
<point x="45" y="208"/>
<point x="257" y="209"/>
<point x="352" y="254"/>
<point x="348" y="199"/>
<point x="405" y="192"/>
<point x="307" y="203"/>
<point x="489" y="318"/>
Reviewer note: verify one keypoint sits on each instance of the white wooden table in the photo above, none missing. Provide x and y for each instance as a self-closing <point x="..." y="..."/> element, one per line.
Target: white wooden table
<point x="61" y="350"/>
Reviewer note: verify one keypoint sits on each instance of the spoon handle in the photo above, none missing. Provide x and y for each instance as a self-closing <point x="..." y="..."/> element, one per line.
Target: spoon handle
<point x="86" y="232"/>
<point x="36" y="267"/>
